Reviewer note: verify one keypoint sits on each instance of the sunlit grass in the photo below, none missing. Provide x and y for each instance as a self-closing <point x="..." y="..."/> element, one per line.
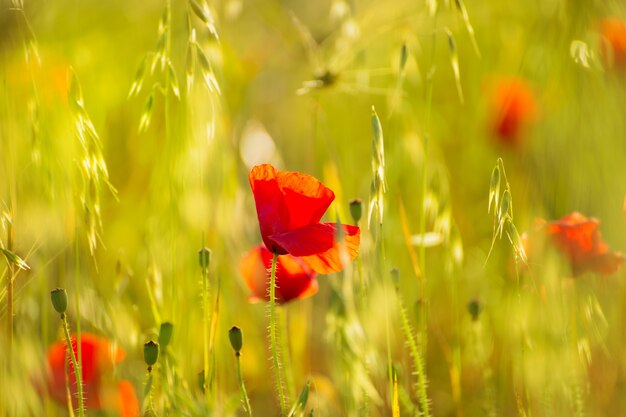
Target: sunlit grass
<point x="127" y="132"/>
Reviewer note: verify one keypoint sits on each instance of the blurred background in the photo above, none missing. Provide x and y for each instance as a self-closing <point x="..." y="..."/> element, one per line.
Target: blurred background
<point x="127" y="130"/>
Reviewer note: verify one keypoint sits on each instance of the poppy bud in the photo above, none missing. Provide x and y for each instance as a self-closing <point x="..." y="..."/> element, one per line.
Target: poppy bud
<point x="236" y="339"/>
<point x="395" y="277"/>
<point x="204" y="256"/>
<point x="356" y="209"/>
<point x="150" y="353"/>
<point x="201" y="380"/>
<point x="165" y="333"/>
<point x="418" y="309"/>
<point x="474" y="308"/>
<point x="59" y="300"/>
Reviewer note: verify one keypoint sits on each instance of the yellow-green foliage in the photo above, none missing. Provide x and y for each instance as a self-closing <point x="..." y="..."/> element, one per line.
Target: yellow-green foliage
<point x="116" y="182"/>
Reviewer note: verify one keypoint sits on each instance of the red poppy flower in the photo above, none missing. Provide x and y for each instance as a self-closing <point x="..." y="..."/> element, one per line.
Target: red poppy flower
<point x="580" y="240"/>
<point x="512" y="108"/>
<point x="289" y="206"/>
<point x="98" y="359"/>
<point x="294" y="278"/>
<point x="613" y="42"/>
<point x="127" y="404"/>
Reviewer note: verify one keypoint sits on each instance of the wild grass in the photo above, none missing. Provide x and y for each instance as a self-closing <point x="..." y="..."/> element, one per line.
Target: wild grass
<point x="127" y="131"/>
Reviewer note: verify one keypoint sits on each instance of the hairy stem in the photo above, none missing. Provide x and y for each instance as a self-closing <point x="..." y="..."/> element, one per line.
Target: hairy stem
<point x="418" y="361"/>
<point x="78" y="370"/>
<point x="79" y="357"/>
<point x="274" y="346"/>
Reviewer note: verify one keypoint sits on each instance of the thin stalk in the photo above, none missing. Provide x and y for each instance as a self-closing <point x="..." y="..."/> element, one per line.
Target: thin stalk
<point x="418" y="360"/>
<point x="286" y="354"/>
<point x="68" y="392"/>
<point x="242" y="386"/>
<point x="168" y="136"/>
<point x="10" y="290"/>
<point x="78" y="339"/>
<point x="78" y="370"/>
<point x="579" y="406"/>
<point x="274" y="346"/>
<point x="422" y="254"/>
<point x="205" y="329"/>
<point x="149" y="381"/>
<point x="213" y="332"/>
<point x="422" y="329"/>
<point x="387" y="313"/>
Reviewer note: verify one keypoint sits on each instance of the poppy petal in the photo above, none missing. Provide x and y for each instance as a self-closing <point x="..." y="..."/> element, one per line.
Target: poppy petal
<point x="270" y="205"/>
<point x="294" y="278"/>
<point x="579" y="238"/>
<point x="317" y="246"/>
<point x="128" y="404"/>
<point x="306" y="197"/>
<point x="286" y="200"/>
<point x="98" y="356"/>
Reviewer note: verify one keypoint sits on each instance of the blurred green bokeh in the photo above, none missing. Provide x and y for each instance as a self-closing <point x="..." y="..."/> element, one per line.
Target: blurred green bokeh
<point x="297" y="82"/>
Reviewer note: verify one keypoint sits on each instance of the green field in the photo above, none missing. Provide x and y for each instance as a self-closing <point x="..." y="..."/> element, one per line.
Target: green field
<point x="486" y="141"/>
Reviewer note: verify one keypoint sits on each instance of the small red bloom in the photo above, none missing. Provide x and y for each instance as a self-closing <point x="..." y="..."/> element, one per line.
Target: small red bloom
<point x="294" y="278"/>
<point x="613" y="42"/>
<point x="512" y="108"/>
<point x="289" y="206"/>
<point x="98" y="360"/>
<point x="580" y="240"/>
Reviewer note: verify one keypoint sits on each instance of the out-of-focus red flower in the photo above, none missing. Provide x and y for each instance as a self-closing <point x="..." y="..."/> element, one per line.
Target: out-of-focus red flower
<point x="613" y="42"/>
<point x="127" y="405"/>
<point x="512" y="107"/>
<point x="580" y="240"/>
<point x="294" y="278"/>
<point x="289" y="206"/>
<point x="98" y="359"/>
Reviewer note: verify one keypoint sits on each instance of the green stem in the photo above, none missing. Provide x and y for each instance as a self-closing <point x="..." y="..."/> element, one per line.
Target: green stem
<point x="205" y="329"/>
<point x="10" y="290"/>
<point x="149" y="382"/>
<point x="213" y="331"/>
<point x="274" y="346"/>
<point x="284" y="347"/>
<point x="418" y="360"/>
<point x="168" y="136"/>
<point x="387" y="313"/>
<point x="78" y="337"/>
<point x="242" y="387"/>
<point x="78" y="370"/>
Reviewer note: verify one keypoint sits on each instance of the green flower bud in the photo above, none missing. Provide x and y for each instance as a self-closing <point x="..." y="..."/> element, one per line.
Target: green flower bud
<point x="151" y="352"/>
<point x="165" y="334"/>
<point x="418" y="309"/>
<point x="356" y="209"/>
<point x="204" y="256"/>
<point x="474" y="308"/>
<point x="395" y="277"/>
<point x="201" y="380"/>
<point x="236" y="339"/>
<point x="59" y="300"/>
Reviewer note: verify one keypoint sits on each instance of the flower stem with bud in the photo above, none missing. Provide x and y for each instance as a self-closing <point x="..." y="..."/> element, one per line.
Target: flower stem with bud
<point x="236" y="341"/>
<point x="150" y="356"/>
<point x="205" y="260"/>
<point x="59" y="302"/>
